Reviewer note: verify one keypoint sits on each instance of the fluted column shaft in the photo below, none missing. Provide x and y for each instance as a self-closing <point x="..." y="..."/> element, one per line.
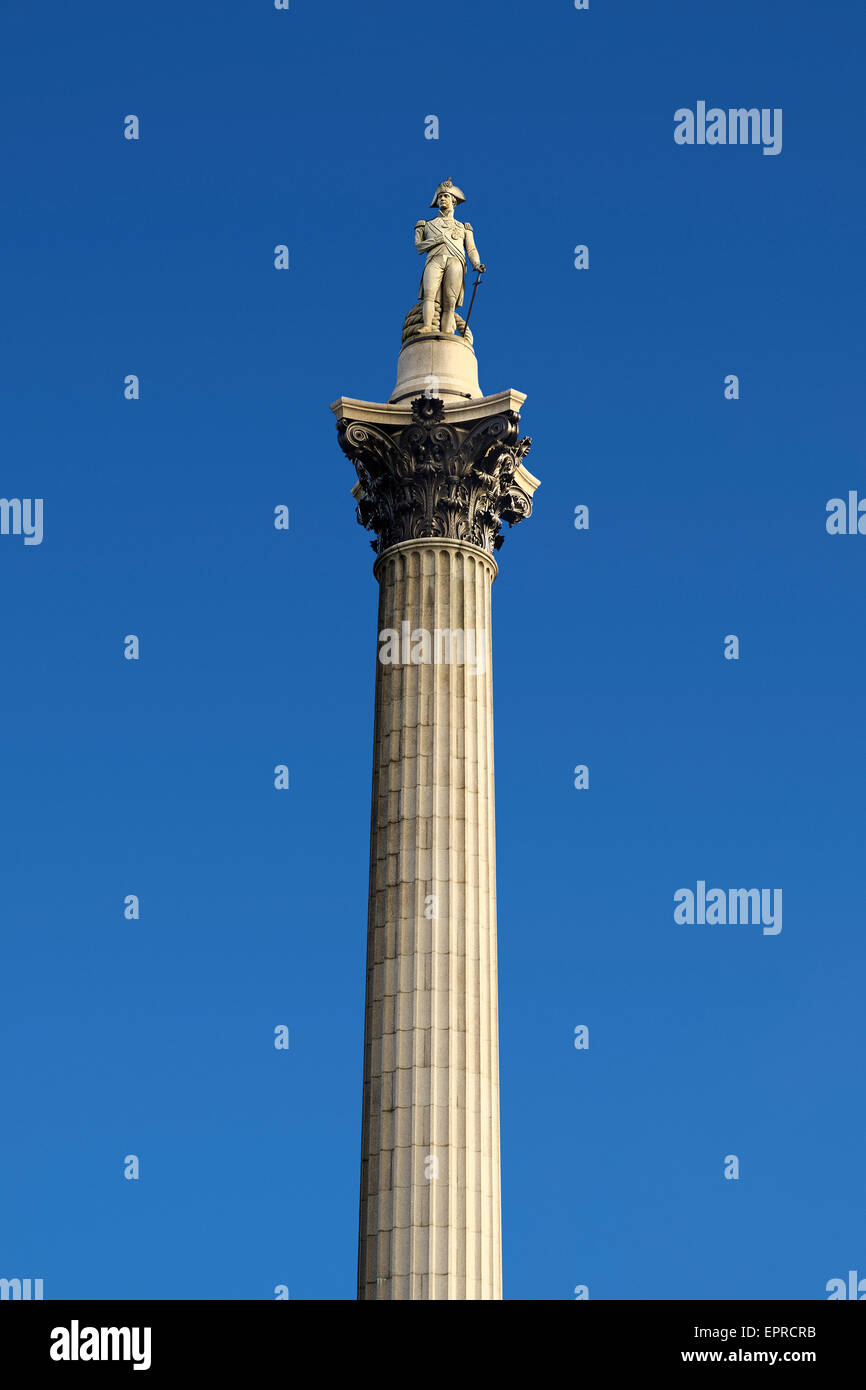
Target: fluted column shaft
<point x="430" y="1202"/>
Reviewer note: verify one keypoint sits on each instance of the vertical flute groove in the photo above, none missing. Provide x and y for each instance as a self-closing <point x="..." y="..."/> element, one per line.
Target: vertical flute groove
<point x="430" y="1224"/>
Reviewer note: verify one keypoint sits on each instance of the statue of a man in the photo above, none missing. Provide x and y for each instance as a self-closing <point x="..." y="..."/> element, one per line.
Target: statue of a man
<point x="446" y="243"/>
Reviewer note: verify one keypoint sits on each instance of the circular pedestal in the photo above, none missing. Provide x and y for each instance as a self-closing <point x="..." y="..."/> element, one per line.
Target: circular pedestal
<point x="437" y="364"/>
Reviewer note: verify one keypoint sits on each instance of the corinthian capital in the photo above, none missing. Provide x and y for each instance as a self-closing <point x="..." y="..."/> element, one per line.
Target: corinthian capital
<point x="439" y="476"/>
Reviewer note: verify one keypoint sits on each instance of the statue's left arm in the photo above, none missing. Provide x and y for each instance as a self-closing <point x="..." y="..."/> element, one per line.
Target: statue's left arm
<point x="471" y="250"/>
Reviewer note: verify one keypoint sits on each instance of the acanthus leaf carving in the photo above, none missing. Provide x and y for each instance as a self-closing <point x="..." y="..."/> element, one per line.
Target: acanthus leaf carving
<point x="436" y="479"/>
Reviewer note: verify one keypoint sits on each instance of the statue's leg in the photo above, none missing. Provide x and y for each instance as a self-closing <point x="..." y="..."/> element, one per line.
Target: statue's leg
<point x="451" y="283"/>
<point x="430" y="287"/>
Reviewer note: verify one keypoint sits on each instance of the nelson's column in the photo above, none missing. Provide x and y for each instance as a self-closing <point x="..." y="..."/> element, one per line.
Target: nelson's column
<point x="440" y="468"/>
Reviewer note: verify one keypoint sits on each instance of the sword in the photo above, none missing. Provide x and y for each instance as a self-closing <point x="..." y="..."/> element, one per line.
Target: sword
<point x="471" y="302"/>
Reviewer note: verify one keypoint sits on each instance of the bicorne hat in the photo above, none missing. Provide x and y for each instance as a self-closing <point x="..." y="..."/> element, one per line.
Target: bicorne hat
<point x="448" y="187"/>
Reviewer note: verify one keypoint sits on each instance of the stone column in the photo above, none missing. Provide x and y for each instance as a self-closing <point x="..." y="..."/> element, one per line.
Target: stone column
<point x="430" y="1148"/>
<point x="435" y="483"/>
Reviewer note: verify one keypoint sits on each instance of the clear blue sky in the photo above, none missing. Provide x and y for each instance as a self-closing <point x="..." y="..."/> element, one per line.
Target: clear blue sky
<point x="707" y="517"/>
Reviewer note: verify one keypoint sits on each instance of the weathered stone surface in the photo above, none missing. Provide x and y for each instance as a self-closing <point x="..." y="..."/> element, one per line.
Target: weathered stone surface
<point x="437" y="365"/>
<point x="436" y="481"/>
<point x="446" y="244"/>
<point x="440" y="475"/>
<point x="430" y="1218"/>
